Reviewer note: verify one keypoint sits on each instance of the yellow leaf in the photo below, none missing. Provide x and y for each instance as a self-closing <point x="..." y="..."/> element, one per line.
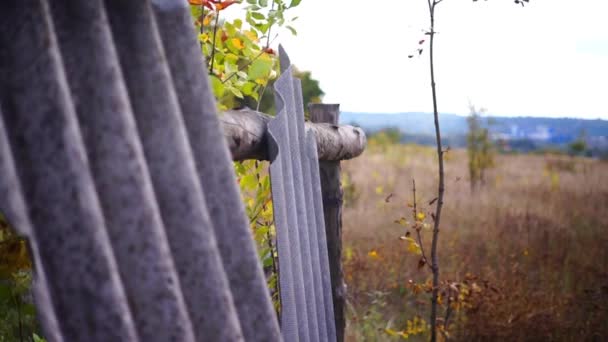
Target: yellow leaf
<point x="348" y="253"/>
<point x="261" y="81"/>
<point x="373" y="254"/>
<point x="207" y="20"/>
<point x="412" y="246"/>
<point x="420" y="216"/>
<point x="251" y="35"/>
<point x="379" y="190"/>
<point x="237" y="43"/>
<point x="402" y="221"/>
<point x="203" y="37"/>
<point x="390" y="332"/>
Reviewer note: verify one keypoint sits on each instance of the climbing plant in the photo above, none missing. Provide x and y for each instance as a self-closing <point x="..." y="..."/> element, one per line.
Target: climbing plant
<point x="242" y="66"/>
<point x="239" y="58"/>
<point x="17" y="311"/>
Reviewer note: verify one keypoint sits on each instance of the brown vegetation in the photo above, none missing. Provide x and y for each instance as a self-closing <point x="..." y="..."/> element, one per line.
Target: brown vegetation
<point x="529" y="249"/>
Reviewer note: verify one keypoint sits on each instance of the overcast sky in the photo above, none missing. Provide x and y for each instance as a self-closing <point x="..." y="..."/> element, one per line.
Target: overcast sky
<point x="549" y="58"/>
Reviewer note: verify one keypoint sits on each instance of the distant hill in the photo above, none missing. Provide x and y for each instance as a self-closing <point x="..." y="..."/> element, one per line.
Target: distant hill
<point x="539" y="131"/>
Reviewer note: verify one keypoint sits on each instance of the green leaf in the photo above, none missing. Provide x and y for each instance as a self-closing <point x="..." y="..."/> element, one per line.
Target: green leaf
<point x="263" y="27"/>
<point x="263" y="3"/>
<point x="255" y="96"/>
<point x="268" y="260"/>
<point x="249" y="182"/>
<point x="257" y="15"/>
<point x="37" y="338"/>
<point x="236" y="92"/>
<point x="230" y="29"/>
<point x="240" y="168"/>
<point x="231" y="58"/>
<point x="218" y="87"/>
<point x="294" y="3"/>
<point x="260" y="68"/>
<point x="248" y="88"/>
<point x="293" y="30"/>
<point x="262" y="231"/>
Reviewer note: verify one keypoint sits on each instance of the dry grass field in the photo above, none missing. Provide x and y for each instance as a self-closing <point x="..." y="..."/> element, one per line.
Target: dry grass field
<point x="531" y="245"/>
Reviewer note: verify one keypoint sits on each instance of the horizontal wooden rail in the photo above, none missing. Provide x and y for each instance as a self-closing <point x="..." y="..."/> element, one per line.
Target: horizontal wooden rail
<point x="246" y="133"/>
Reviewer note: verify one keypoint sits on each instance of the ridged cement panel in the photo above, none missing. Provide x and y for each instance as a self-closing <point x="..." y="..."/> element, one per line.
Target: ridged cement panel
<point x="293" y="303"/>
<point x="189" y="229"/>
<point x="55" y="177"/>
<point x="61" y="183"/>
<point x="304" y="277"/>
<point x="119" y="170"/>
<point x="304" y="316"/>
<point x="216" y="173"/>
<point x="13" y="206"/>
<point x="310" y="183"/>
<point x="305" y="221"/>
<point x="317" y="208"/>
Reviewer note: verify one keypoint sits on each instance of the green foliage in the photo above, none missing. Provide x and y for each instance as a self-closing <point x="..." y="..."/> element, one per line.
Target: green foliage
<point x="17" y="311"/>
<point x="578" y="147"/>
<point x="311" y="93"/>
<point x="384" y="138"/>
<point x="239" y="58"/>
<point x="254" y="182"/>
<point x="479" y="148"/>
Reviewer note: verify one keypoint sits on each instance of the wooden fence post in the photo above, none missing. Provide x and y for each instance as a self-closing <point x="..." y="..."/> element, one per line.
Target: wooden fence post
<point x="332" y="210"/>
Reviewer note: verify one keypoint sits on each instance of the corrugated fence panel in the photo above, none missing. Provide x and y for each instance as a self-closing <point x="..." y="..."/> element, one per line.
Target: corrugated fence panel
<point x="117" y="169"/>
<point x="294" y="171"/>
<point x="174" y="174"/>
<point x="14" y="207"/>
<point x="58" y="189"/>
<point x="216" y="173"/>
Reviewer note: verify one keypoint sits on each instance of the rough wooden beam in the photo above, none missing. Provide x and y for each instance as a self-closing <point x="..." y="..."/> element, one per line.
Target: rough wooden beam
<point x="246" y="129"/>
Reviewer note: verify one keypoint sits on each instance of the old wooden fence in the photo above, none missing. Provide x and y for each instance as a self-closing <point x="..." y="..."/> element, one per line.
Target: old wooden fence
<point x="114" y="163"/>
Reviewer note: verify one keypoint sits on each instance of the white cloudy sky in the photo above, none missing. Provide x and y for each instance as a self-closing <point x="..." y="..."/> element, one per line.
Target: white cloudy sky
<point x="549" y="58"/>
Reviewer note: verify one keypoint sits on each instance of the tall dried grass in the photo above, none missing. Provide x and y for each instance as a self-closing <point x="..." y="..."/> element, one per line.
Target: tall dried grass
<point x="533" y="239"/>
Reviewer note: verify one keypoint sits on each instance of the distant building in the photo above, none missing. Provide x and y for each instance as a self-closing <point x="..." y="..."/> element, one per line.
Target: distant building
<point x="542" y="133"/>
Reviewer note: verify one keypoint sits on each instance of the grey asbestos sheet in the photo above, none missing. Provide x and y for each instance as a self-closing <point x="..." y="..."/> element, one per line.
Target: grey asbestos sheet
<point x="120" y="172"/>
<point x="215" y="170"/>
<point x="13" y="206"/>
<point x="57" y="184"/>
<point x="176" y="184"/>
<point x="296" y="198"/>
<point x="293" y="225"/>
<point x="317" y="201"/>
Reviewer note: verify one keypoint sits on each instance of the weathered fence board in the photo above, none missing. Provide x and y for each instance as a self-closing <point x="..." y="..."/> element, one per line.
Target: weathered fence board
<point x="110" y="136"/>
<point x="15" y="208"/>
<point x="115" y="165"/>
<point x="112" y="179"/>
<point x="303" y="296"/>
<point x="216" y="173"/>
<point x="56" y="181"/>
